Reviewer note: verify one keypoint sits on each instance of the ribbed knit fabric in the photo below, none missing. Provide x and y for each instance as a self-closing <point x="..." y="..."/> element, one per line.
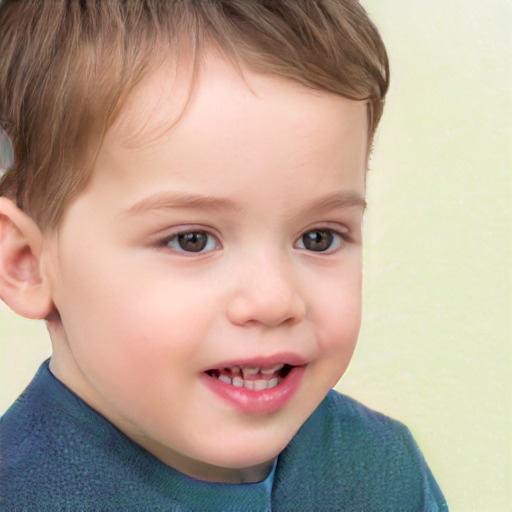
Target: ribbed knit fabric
<point x="58" y="454"/>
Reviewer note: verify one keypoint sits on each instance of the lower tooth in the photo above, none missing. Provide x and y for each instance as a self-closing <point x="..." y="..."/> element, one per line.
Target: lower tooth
<point x="260" y="384"/>
<point x="238" y="382"/>
<point x="225" y="378"/>
<point x="256" y="385"/>
<point x="272" y="383"/>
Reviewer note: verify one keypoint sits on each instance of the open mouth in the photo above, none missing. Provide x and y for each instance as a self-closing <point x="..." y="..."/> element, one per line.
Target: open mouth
<point x="251" y="377"/>
<point x="257" y="386"/>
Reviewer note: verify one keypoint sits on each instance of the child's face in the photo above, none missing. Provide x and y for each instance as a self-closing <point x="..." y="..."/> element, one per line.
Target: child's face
<point x="232" y="240"/>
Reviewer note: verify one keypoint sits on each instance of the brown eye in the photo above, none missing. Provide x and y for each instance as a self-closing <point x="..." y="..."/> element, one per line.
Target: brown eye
<point x="191" y="242"/>
<point x="195" y="241"/>
<point x="320" y="240"/>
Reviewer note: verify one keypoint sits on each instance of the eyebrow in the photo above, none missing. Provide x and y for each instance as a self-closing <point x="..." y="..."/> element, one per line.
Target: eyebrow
<point x="177" y="200"/>
<point x="339" y="200"/>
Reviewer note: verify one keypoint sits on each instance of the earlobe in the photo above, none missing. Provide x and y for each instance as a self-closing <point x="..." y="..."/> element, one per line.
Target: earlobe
<point x="23" y="287"/>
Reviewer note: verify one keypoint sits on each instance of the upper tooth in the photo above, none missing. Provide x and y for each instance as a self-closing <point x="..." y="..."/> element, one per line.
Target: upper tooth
<point x="270" y="371"/>
<point x="248" y="371"/>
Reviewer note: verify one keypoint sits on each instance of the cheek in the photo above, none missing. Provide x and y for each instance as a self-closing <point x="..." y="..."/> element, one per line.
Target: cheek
<point x="105" y="319"/>
<point x="341" y="324"/>
<point x="342" y="306"/>
<point x="338" y="323"/>
<point x="139" y="324"/>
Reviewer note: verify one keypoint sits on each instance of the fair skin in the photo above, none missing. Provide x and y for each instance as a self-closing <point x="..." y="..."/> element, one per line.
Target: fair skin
<point x="231" y="239"/>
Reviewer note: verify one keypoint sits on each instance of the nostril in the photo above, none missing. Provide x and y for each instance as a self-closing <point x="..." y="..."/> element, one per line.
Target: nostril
<point x="251" y="311"/>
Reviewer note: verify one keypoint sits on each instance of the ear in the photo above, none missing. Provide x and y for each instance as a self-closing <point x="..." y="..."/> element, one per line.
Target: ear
<point x="22" y="285"/>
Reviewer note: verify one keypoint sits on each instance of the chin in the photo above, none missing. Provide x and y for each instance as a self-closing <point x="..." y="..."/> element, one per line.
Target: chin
<point x="250" y="450"/>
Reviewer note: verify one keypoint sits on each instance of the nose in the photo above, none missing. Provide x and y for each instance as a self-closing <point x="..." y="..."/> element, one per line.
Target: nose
<point x="266" y="293"/>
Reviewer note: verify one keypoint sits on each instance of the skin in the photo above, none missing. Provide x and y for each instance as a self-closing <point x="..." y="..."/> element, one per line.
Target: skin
<point x="255" y="163"/>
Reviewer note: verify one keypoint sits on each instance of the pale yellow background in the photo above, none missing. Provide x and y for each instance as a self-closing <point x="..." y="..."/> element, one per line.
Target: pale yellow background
<point x="435" y="349"/>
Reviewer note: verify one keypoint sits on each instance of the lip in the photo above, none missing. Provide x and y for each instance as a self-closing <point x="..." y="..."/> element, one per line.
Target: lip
<point x="264" y="361"/>
<point x="264" y="401"/>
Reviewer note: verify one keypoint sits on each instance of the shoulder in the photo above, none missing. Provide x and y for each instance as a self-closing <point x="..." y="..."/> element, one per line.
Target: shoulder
<point x="56" y="452"/>
<point x="37" y="440"/>
<point x="349" y="427"/>
<point x="352" y="429"/>
<point x="342" y="414"/>
<point x="382" y="446"/>
<point x="358" y="457"/>
<point x="345" y="409"/>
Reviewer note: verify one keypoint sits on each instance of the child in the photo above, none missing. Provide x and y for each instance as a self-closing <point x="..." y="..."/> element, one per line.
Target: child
<point x="185" y="213"/>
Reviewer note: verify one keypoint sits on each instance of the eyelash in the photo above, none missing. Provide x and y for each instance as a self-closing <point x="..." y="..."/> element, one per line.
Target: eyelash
<point x="165" y="243"/>
<point x="339" y="238"/>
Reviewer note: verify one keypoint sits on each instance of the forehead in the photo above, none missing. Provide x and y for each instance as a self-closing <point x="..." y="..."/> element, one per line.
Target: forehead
<point x="165" y="96"/>
<point x="268" y="145"/>
<point x="153" y="106"/>
<point x="224" y="133"/>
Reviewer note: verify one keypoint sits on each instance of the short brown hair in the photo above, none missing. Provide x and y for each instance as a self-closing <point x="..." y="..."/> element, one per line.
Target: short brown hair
<point x="66" y="67"/>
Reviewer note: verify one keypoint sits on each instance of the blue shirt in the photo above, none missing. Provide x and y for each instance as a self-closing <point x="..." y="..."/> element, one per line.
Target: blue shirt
<point x="58" y="454"/>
